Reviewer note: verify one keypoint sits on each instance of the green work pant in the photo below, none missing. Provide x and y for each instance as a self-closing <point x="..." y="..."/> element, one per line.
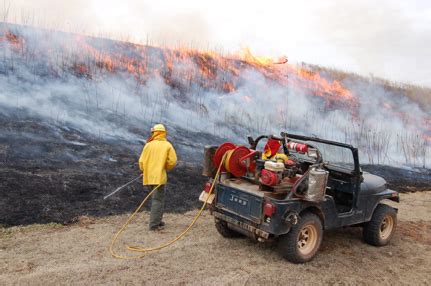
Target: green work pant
<point x="157" y="205"/>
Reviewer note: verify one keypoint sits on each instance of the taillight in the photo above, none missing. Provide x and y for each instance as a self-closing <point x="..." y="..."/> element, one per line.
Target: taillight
<point x="268" y="209"/>
<point x="207" y="187"/>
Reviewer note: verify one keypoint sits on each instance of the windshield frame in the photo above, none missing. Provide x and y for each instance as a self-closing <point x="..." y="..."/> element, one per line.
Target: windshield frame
<point x="307" y="139"/>
<point x="356" y="169"/>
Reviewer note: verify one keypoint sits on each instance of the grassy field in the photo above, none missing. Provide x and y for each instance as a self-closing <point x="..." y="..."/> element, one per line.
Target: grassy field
<point x="77" y="254"/>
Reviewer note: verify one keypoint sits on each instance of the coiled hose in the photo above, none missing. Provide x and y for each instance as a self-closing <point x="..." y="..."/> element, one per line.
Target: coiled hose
<point x="141" y="249"/>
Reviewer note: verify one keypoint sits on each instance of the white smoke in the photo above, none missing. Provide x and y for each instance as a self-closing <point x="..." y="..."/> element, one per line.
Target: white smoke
<point x="115" y="105"/>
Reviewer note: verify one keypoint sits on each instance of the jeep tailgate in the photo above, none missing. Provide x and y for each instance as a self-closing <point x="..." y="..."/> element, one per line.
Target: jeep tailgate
<point x="242" y="203"/>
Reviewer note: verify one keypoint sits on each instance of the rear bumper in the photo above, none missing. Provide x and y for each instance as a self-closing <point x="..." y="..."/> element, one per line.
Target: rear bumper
<point x="241" y="226"/>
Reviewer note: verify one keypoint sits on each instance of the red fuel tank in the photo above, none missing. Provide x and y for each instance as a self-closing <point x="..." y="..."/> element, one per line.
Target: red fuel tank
<point x="298" y="147"/>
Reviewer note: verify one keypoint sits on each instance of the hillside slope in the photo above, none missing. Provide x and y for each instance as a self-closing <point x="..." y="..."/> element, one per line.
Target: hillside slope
<point x="74" y="112"/>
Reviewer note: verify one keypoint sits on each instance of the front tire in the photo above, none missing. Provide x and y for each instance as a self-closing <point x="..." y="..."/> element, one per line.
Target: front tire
<point x="224" y="230"/>
<point x="303" y="241"/>
<point x="380" y="229"/>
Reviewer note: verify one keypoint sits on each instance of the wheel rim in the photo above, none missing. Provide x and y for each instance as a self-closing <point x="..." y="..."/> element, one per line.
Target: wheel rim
<point x="386" y="227"/>
<point x="307" y="239"/>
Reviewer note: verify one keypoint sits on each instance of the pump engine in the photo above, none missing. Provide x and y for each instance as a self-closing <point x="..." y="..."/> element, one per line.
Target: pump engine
<point x="272" y="173"/>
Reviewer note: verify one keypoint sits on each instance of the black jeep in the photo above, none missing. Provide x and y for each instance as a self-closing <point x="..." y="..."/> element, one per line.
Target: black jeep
<point x="320" y="187"/>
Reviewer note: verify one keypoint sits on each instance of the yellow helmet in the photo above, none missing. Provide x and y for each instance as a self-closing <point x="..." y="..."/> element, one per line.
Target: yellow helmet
<point x="158" y="127"/>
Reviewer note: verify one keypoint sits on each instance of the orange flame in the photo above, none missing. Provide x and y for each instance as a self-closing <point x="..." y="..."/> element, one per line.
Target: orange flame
<point x="16" y="42"/>
<point x="247" y="56"/>
<point x="206" y="69"/>
<point x="332" y="91"/>
<point x="210" y="66"/>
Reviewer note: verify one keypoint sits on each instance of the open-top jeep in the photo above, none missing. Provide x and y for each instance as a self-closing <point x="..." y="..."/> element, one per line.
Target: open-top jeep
<point x="308" y="185"/>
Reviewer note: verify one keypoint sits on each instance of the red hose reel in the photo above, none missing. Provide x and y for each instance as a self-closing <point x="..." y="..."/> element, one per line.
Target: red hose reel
<point x="238" y="159"/>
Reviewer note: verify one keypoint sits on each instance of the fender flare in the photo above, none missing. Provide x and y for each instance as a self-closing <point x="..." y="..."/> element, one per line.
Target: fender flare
<point x="392" y="198"/>
<point x="315" y="210"/>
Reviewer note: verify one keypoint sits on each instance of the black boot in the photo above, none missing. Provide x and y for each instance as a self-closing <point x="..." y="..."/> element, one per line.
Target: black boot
<point x="155" y="228"/>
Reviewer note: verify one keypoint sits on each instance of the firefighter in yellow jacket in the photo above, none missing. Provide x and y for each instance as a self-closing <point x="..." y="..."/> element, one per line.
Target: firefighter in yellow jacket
<point x="157" y="157"/>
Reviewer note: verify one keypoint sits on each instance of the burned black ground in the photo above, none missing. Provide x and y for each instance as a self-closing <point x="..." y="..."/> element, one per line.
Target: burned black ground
<point x="53" y="173"/>
<point x="403" y="179"/>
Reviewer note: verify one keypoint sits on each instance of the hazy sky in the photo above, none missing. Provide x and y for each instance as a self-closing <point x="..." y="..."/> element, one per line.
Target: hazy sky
<point x="387" y="38"/>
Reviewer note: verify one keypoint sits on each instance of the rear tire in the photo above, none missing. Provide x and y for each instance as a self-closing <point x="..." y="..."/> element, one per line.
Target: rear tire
<point x="303" y="241"/>
<point x="224" y="230"/>
<point x="380" y="229"/>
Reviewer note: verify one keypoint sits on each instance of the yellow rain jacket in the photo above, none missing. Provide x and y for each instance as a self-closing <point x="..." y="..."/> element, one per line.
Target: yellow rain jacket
<point x="157" y="157"/>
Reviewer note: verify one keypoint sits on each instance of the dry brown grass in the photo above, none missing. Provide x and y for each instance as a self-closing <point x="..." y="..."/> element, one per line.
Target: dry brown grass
<point x="77" y="254"/>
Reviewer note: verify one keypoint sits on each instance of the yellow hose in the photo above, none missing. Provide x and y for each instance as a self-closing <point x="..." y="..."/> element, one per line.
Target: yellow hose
<point x="228" y="155"/>
<point x="142" y="249"/>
